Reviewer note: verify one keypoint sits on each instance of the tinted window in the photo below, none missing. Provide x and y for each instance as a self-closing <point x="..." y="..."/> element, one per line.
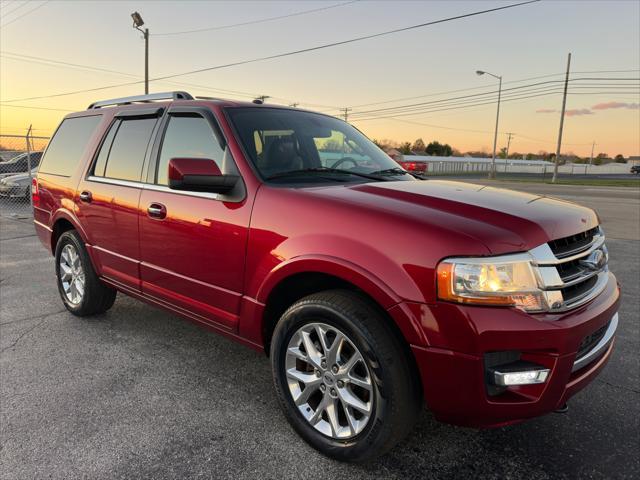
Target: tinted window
<point x="129" y="148"/>
<point x="101" y="161"/>
<point x="68" y="144"/>
<point x="281" y="141"/>
<point x="189" y="137"/>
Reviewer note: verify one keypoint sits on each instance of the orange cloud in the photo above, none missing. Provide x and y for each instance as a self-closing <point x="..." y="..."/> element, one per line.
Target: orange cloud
<point x="608" y="105"/>
<point x="577" y="112"/>
<point x="545" y="110"/>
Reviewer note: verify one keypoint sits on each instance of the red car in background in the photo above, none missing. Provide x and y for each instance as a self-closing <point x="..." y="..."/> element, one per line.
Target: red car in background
<point x="413" y="166"/>
<point x="372" y="292"/>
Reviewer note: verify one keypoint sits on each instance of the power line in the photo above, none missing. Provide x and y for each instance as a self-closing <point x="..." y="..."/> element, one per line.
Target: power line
<point x="2" y="105"/>
<point x="253" y="22"/>
<point x="4" y="14"/>
<point x="477" y="104"/>
<point x="461" y="100"/>
<point x="287" y="54"/>
<point x="26" y="13"/>
<point x="480" y="87"/>
<point x="63" y="64"/>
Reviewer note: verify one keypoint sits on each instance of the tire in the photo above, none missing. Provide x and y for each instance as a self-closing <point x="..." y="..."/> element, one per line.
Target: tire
<point x="96" y="297"/>
<point x="394" y="399"/>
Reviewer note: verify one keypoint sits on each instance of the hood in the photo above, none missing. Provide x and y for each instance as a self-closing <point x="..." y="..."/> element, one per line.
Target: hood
<point x="503" y="220"/>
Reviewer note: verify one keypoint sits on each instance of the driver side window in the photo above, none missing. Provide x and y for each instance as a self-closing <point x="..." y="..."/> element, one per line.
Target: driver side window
<point x="191" y="137"/>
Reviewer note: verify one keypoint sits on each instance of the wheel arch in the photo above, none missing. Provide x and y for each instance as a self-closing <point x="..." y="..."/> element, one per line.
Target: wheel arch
<point x="299" y="285"/>
<point x="304" y="276"/>
<point x="64" y="221"/>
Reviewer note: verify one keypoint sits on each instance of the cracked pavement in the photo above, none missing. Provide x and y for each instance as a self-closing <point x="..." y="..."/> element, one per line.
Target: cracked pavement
<point x="140" y="393"/>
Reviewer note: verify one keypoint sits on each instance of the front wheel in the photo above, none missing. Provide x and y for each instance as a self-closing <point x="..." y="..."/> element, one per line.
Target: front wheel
<point x="342" y="376"/>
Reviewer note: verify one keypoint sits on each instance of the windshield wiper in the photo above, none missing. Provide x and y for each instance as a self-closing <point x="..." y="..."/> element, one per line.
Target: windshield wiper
<point x="302" y="171"/>
<point x="395" y="171"/>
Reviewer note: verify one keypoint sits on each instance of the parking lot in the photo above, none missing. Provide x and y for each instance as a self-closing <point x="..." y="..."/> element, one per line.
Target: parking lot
<point x="140" y="393"/>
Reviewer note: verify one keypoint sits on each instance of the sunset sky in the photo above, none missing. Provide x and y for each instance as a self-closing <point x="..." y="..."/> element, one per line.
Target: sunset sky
<point x="54" y="47"/>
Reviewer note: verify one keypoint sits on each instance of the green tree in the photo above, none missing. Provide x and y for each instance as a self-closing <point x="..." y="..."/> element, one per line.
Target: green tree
<point x="405" y="148"/>
<point x="438" y="149"/>
<point x="620" y="158"/>
<point x="418" y="146"/>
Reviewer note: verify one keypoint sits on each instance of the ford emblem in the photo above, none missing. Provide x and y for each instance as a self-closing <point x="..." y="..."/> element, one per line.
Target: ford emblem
<point x="595" y="261"/>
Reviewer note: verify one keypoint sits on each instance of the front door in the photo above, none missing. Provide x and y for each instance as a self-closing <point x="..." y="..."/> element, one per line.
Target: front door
<point x="192" y="245"/>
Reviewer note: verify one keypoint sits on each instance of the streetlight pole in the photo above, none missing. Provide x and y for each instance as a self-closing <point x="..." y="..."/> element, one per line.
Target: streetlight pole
<point x="137" y="23"/>
<point x="492" y="173"/>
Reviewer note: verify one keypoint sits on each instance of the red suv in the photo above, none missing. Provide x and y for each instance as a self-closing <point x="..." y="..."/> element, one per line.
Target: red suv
<point x="372" y="292"/>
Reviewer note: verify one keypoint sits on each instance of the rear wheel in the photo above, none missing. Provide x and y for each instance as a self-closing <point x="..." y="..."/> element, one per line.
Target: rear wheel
<point x="80" y="288"/>
<point x="342" y="376"/>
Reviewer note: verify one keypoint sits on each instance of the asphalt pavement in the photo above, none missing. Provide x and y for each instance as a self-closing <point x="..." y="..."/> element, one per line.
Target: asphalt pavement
<point x="140" y="393"/>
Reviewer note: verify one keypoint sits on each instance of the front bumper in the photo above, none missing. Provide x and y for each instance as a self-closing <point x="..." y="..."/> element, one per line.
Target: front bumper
<point x="453" y="370"/>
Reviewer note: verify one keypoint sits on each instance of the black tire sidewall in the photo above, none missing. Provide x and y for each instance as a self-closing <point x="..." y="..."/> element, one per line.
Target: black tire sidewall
<point x="372" y="437"/>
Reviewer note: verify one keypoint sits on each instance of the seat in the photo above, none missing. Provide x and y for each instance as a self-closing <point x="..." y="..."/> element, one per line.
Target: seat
<point x="283" y="156"/>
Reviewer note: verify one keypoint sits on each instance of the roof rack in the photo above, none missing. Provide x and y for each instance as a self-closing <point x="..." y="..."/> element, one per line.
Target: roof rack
<point x="200" y="97"/>
<point x="141" y="99"/>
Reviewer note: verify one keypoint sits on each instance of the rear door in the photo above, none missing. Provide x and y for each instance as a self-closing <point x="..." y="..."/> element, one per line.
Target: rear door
<point x="192" y="245"/>
<point x="108" y="197"/>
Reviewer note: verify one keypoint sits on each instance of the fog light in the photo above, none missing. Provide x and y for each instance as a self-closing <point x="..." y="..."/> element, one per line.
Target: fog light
<point x="521" y="377"/>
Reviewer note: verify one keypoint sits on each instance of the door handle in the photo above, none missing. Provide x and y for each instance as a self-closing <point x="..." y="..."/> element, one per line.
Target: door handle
<point x="85" y="196"/>
<point x="157" y="210"/>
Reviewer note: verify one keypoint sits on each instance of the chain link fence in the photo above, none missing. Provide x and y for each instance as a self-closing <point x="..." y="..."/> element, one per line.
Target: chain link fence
<point x="19" y="159"/>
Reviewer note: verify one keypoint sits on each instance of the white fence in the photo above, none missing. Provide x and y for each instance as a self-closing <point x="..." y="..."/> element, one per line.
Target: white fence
<point x="471" y="165"/>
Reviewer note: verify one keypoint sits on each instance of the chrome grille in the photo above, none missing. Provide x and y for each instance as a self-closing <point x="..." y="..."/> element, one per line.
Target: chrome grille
<point x="572" y="270"/>
<point x="567" y="246"/>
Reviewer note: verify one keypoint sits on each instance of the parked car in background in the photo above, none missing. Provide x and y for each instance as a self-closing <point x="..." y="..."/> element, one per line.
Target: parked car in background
<point x="373" y="293"/>
<point x="17" y="186"/>
<point x="635" y="169"/>
<point x="413" y="166"/>
<point x="20" y="163"/>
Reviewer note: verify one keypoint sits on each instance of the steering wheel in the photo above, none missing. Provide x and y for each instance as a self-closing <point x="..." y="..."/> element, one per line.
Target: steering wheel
<point x="343" y="160"/>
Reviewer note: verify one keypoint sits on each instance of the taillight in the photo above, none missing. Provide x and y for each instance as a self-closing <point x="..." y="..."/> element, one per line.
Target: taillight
<point x="35" y="192"/>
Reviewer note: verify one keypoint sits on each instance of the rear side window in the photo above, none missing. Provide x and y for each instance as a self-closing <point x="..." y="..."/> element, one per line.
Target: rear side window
<point x="123" y="152"/>
<point x="68" y="144"/>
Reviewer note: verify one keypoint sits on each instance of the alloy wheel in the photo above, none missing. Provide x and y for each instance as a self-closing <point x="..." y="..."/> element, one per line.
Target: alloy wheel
<point x="71" y="274"/>
<point x="329" y="380"/>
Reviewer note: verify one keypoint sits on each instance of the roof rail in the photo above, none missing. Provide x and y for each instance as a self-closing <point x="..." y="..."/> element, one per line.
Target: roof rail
<point x="141" y="99"/>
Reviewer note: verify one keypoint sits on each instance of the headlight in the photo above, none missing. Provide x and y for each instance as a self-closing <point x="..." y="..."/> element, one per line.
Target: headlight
<point x="501" y="281"/>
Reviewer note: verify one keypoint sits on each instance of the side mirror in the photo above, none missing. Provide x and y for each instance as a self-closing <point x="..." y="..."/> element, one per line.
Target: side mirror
<point x="199" y="175"/>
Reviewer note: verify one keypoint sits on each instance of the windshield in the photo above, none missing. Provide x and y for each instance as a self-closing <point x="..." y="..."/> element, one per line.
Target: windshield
<point x="297" y="146"/>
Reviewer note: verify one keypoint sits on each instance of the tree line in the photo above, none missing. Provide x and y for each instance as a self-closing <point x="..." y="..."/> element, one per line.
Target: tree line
<point x="438" y="149"/>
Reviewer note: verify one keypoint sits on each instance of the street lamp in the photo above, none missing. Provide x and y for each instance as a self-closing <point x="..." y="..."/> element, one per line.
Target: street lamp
<point x="137" y="23"/>
<point x="492" y="173"/>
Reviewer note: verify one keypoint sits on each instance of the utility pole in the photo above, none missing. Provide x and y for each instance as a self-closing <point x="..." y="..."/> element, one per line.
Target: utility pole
<point x="346" y="112"/>
<point x="593" y="145"/>
<point x="564" y="105"/>
<point x="506" y="155"/>
<point x="492" y="172"/>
